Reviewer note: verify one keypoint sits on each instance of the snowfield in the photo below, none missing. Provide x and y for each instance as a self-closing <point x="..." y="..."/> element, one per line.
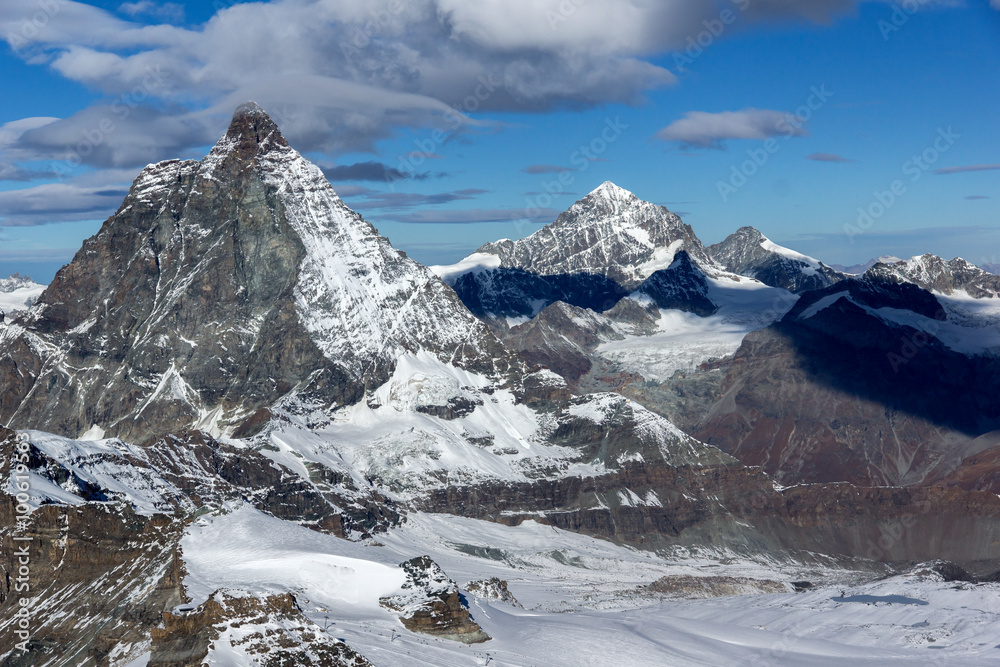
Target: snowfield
<point x="685" y="340"/>
<point x="582" y="599"/>
<point x="20" y="297"/>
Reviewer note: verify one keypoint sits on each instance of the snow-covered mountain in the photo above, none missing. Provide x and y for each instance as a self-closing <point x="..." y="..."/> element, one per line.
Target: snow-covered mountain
<point x="858" y="269"/>
<point x="18" y="293"/>
<point x="605" y="247"/>
<point x="747" y="252"/>
<point x="610" y="232"/>
<point x="219" y="287"/>
<point x="949" y="277"/>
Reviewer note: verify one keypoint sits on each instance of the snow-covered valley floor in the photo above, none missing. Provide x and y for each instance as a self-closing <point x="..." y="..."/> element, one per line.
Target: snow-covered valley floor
<point x="582" y="599"/>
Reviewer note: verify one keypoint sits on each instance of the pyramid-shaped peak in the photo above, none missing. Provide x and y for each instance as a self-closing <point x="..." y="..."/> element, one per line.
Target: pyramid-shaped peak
<point x="252" y="131"/>
<point x="609" y="190"/>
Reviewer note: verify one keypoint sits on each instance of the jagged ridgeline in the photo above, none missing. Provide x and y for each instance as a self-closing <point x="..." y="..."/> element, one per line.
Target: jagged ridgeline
<point x="218" y="287"/>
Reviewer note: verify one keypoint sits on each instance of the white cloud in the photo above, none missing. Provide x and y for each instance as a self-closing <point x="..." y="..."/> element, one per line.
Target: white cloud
<point x="168" y="11"/>
<point x="710" y="130"/>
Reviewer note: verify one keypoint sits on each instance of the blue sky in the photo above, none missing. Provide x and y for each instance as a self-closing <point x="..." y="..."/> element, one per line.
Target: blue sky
<point x="796" y="117"/>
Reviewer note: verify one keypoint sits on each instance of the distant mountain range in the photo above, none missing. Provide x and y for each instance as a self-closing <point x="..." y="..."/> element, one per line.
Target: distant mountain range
<point x="251" y="432"/>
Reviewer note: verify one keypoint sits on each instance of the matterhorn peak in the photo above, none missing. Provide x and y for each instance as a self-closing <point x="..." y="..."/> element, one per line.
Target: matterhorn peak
<point x="252" y="132"/>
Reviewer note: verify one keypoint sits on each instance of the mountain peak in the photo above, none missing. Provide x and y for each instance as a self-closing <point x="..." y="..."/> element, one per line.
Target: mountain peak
<point x="252" y="132"/>
<point x="609" y="190"/>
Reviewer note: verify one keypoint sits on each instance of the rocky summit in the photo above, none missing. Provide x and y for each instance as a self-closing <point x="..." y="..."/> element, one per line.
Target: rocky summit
<point x="219" y="287"/>
<point x="240" y="428"/>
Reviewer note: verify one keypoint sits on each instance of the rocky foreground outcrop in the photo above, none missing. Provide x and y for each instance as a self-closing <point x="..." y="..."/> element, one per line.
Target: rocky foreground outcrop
<point x="98" y="576"/>
<point x="430" y="603"/>
<point x="267" y="631"/>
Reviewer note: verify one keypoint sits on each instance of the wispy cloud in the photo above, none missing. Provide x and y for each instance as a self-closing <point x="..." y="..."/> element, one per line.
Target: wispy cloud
<point x="545" y="169"/>
<point x="370" y="171"/>
<point x="961" y="170"/>
<point x="476" y="215"/>
<point x="828" y="157"/>
<point x="372" y="200"/>
<point x="710" y="130"/>
<point x="58" y="202"/>
<point x="166" y="11"/>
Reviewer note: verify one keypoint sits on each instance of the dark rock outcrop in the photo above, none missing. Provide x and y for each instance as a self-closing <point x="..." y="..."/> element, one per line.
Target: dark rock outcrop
<point x="493" y="588"/>
<point x="430" y="603"/>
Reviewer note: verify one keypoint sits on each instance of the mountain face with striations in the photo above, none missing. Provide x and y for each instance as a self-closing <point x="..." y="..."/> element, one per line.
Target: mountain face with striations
<point x="607" y="246"/>
<point x="220" y="286"/>
<point x="747" y="252"/>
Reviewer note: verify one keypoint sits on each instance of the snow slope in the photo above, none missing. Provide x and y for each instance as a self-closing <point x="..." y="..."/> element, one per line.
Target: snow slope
<point x="582" y="600"/>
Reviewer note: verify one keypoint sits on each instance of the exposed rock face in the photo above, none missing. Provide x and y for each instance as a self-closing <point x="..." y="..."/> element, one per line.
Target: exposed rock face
<point x="749" y="253"/>
<point x="269" y="631"/>
<point x="562" y="338"/>
<point x="611" y="232"/>
<point x="843" y="395"/>
<point x="681" y="286"/>
<point x="191" y="470"/>
<point x="515" y="292"/>
<point x="219" y="287"/>
<point x="686" y="586"/>
<point x="979" y="472"/>
<point x="493" y="588"/>
<point x="88" y="564"/>
<point x="430" y="603"/>
<point x="657" y="506"/>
